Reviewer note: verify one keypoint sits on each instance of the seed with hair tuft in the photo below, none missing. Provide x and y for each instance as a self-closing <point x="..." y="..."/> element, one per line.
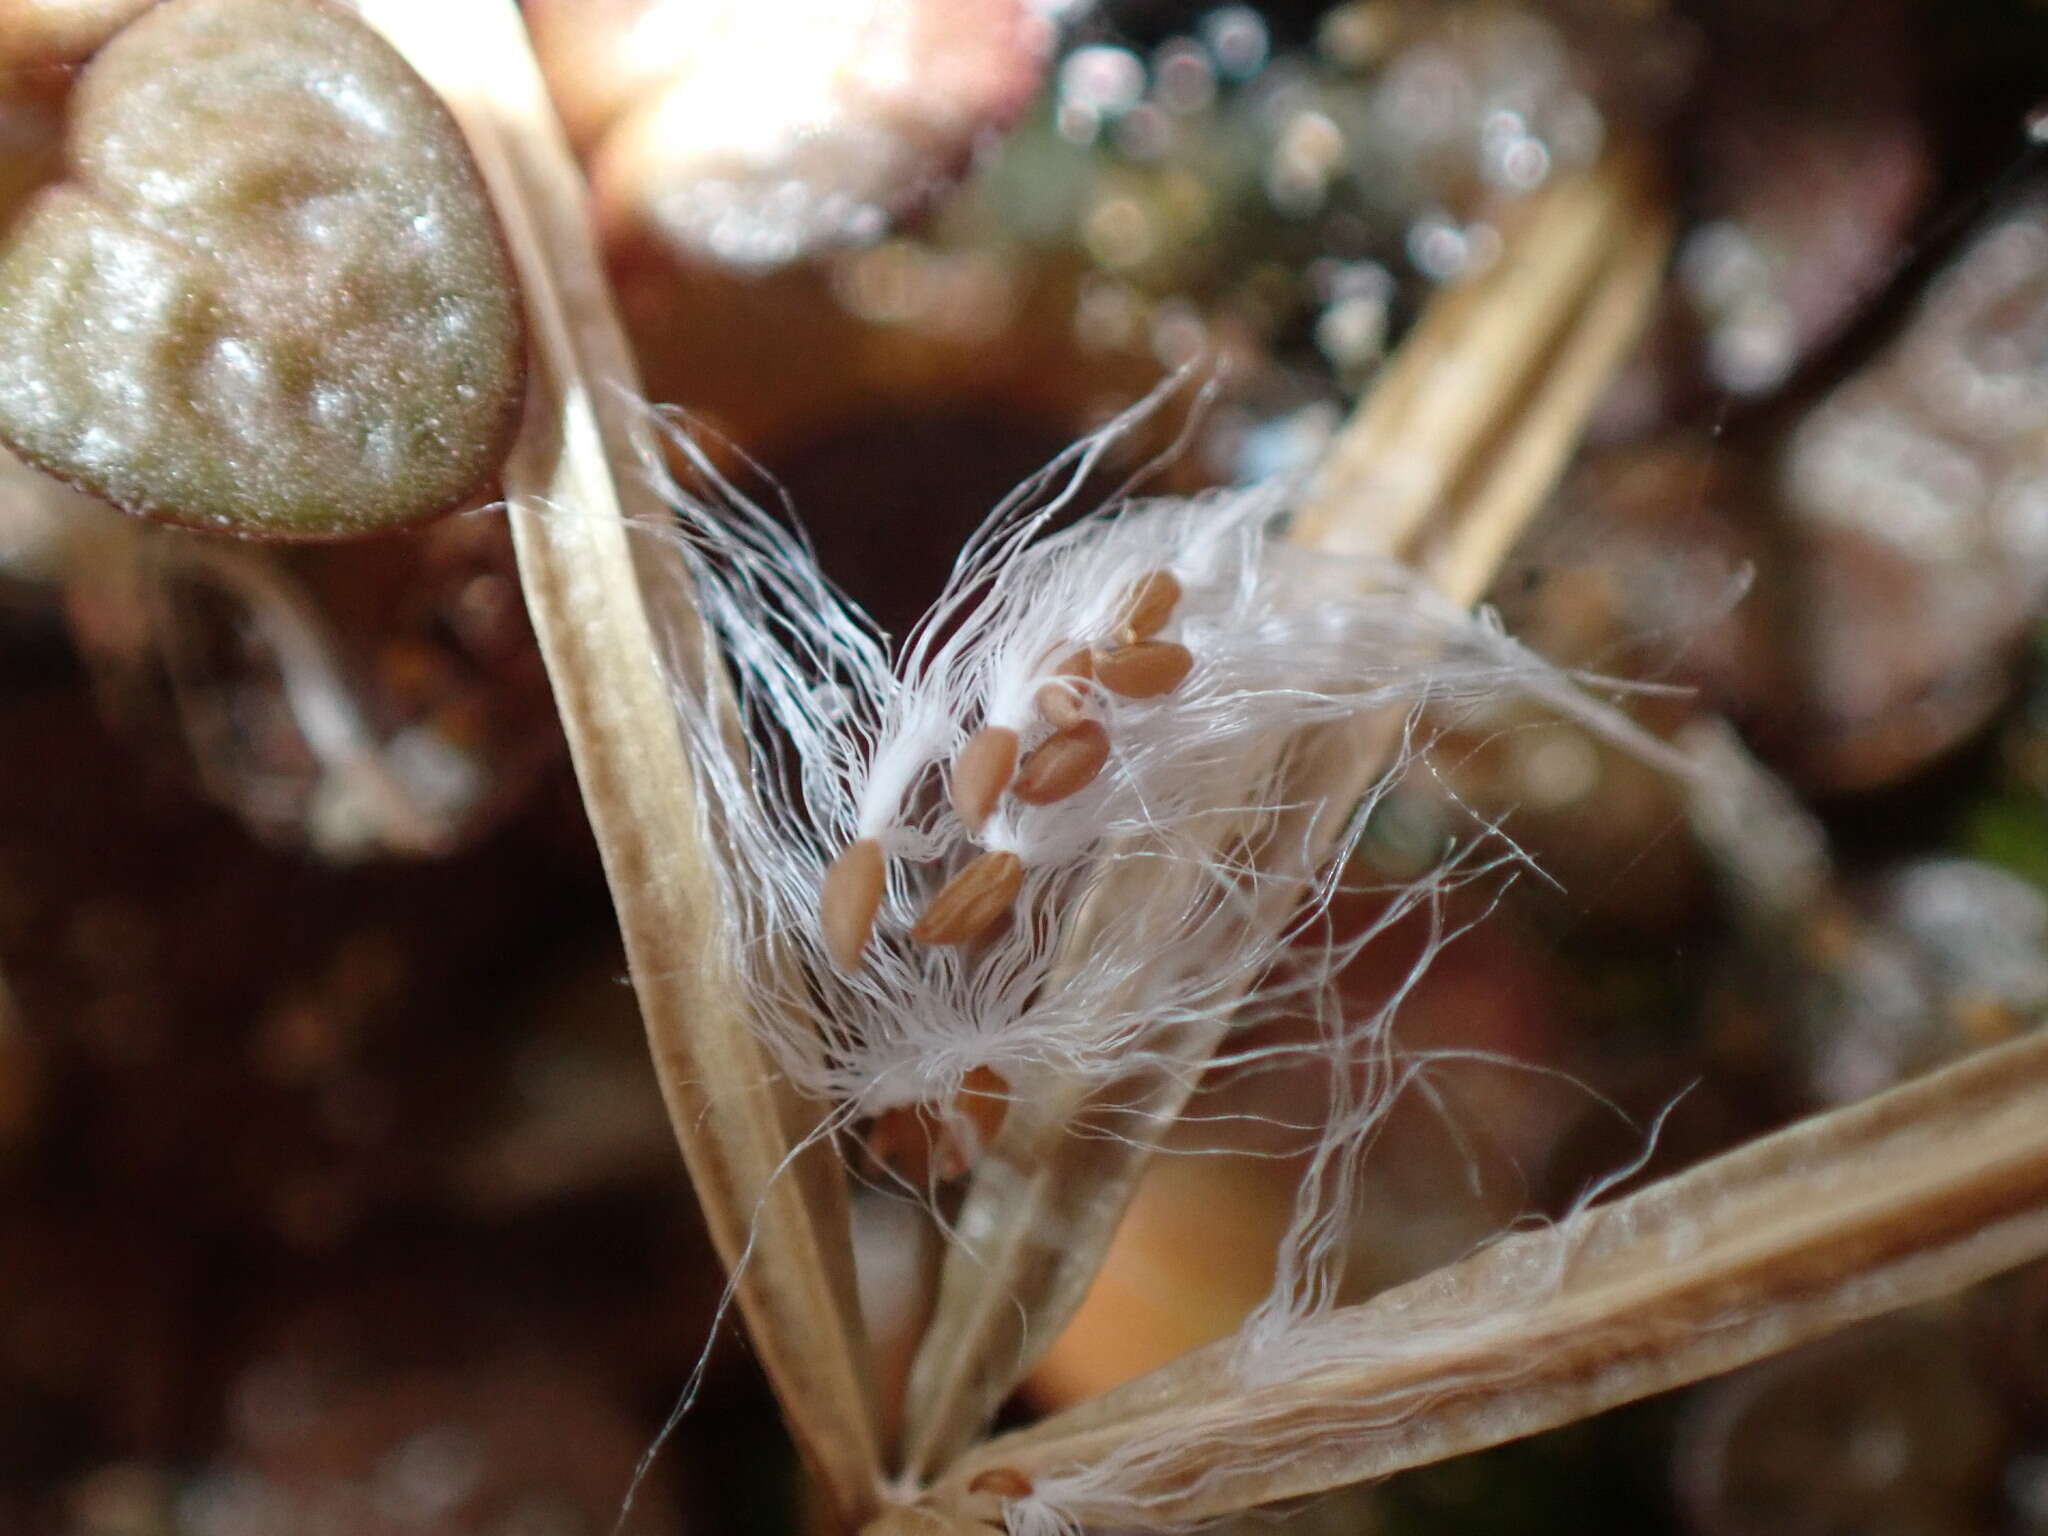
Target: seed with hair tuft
<point x="972" y="902"/>
<point x="1064" y="762"/>
<point x="1147" y="606"/>
<point x="982" y="772"/>
<point x="1144" y="670"/>
<point x="848" y="900"/>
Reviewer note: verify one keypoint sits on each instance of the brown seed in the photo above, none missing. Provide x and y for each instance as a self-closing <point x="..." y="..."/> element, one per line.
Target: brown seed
<point x="1147" y="606"/>
<point x="1078" y="663"/>
<point x="1062" y="700"/>
<point x="901" y="1141"/>
<point x="972" y="902"/>
<point x="1065" y="761"/>
<point x="1003" y="1482"/>
<point x="982" y="772"/>
<point x="848" y="900"/>
<point x="1145" y="670"/>
<point x="983" y="1101"/>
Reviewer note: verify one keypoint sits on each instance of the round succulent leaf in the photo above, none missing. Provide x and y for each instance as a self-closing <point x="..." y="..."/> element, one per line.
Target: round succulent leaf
<point x="270" y="297"/>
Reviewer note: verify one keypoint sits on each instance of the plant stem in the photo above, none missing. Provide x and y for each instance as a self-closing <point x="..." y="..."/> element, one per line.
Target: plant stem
<point x="773" y="1192"/>
<point x="1914" y="1193"/>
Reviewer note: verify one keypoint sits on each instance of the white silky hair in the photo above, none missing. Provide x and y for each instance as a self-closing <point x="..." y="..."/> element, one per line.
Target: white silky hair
<point x="1187" y="858"/>
<point x="840" y="739"/>
<point x="1445" y="1311"/>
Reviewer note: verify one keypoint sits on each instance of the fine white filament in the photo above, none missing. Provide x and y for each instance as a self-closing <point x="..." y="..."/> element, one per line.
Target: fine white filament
<point x="843" y="737"/>
<point x="1186" y="860"/>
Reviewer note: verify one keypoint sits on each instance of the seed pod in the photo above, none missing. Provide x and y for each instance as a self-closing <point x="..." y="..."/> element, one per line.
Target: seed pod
<point x="1062" y="701"/>
<point x="848" y="900"/>
<point x="1144" y="670"/>
<point x="982" y="772"/>
<point x="1147" y="606"/>
<point x="972" y="902"/>
<point x="1064" y="762"/>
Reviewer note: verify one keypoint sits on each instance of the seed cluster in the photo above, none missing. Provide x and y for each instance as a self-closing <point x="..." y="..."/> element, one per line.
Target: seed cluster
<point x="1073" y="746"/>
<point x="1133" y="663"/>
<point x="1033" y="842"/>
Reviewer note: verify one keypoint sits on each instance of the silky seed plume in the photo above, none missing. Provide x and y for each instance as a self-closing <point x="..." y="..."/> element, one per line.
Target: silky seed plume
<point x="1096" y="702"/>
